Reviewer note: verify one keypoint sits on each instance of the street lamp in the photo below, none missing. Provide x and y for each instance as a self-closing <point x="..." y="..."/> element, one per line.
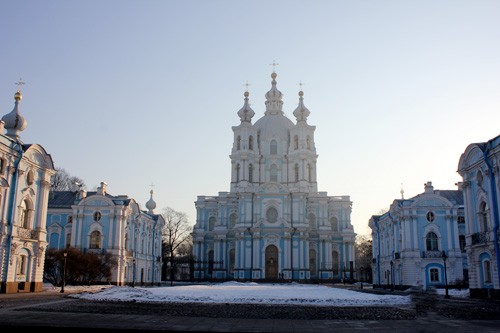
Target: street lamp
<point x="133" y="278"/>
<point x="444" y="256"/>
<point x="65" y="254"/>
<point x="392" y="276"/>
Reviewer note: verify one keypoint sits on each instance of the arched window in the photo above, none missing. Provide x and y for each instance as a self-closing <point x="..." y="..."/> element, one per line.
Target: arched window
<point x="296" y="172"/>
<point x="232" y="220"/>
<point x="483" y="215"/>
<point x="22" y="264"/>
<point x="334" y="222"/>
<point x="312" y="261"/>
<point x="238" y="143"/>
<point x="211" y="222"/>
<point x="309" y="176"/>
<point x="296" y="142"/>
<point x="68" y="239"/>
<point x="274" y="147"/>
<point x="431" y="241"/>
<point x="312" y="220"/>
<point x="273" y="173"/>
<point x="237" y="172"/>
<point x="95" y="240"/>
<point x="250" y="173"/>
<point x="487" y="270"/>
<point x="272" y="215"/>
<point x="210" y="261"/>
<point x="308" y="142"/>
<point x="126" y="242"/>
<point x="461" y="240"/>
<point x="250" y="142"/>
<point x="231" y="261"/>
<point x="335" y="262"/>
<point x="24" y="214"/>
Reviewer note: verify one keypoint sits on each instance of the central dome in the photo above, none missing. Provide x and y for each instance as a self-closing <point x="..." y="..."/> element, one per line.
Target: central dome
<point x="274" y="126"/>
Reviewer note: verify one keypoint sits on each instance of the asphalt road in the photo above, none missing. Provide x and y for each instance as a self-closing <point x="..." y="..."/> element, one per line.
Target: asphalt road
<point x="61" y="313"/>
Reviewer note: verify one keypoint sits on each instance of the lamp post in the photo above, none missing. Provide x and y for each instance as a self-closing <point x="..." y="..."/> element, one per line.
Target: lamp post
<point x="392" y="276"/>
<point x="65" y="254"/>
<point x="444" y="256"/>
<point x="133" y="278"/>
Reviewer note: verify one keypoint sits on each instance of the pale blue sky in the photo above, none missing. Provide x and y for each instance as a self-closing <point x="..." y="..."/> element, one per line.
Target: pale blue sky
<point x="140" y="92"/>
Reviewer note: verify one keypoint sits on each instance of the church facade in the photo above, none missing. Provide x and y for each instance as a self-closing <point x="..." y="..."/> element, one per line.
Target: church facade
<point x="273" y="223"/>
<point x="25" y="171"/>
<point x="478" y="167"/>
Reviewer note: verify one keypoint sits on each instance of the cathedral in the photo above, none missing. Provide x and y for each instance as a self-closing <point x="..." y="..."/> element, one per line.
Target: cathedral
<point x="273" y="223"/>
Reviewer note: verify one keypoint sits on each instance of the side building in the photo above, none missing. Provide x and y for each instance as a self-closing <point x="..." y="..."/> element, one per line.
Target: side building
<point x="421" y="241"/>
<point x="478" y="167"/>
<point x="25" y="171"/>
<point x="98" y="222"/>
<point x="274" y="223"/>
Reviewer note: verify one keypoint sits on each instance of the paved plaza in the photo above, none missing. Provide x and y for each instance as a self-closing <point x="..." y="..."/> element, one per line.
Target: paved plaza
<point x="61" y="313"/>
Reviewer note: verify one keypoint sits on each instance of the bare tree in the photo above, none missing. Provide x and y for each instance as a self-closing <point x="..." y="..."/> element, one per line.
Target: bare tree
<point x="175" y="238"/>
<point x="63" y="181"/>
<point x="363" y="256"/>
<point x="176" y="231"/>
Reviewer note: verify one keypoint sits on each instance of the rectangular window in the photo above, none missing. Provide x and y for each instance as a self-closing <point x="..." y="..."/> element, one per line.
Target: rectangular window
<point x="434" y="275"/>
<point x="487" y="271"/>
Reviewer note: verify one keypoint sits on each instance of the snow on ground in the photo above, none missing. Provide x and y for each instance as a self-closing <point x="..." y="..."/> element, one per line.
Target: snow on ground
<point x="249" y="293"/>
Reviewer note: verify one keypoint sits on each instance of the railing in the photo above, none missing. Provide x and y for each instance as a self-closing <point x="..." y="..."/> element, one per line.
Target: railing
<point x="480" y="238"/>
<point x="432" y="254"/>
<point x="27" y="233"/>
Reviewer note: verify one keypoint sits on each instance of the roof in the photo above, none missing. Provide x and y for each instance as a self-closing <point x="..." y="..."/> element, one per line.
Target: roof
<point x="62" y="199"/>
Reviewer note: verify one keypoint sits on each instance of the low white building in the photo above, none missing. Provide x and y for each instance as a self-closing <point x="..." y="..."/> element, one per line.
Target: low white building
<point x="410" y="239"/>
<point x="101" y="223"/>
<point x="25" y="171"/>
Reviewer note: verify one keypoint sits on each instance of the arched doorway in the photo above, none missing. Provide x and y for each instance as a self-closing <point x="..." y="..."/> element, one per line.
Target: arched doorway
<point x="271" y="262"/>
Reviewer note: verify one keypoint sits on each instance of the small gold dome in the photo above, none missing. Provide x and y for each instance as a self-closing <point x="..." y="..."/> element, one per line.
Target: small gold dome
<point x="18" y="96"/>
<point x="246" y="94"/>
<point x="301" y="93"/>
<point x="274" y="75"/>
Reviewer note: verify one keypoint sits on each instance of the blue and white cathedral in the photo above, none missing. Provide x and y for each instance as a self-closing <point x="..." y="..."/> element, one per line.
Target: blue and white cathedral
<point x="273" y="223"/>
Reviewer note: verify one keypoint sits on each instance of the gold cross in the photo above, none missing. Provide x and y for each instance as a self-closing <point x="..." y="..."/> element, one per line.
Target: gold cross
<point x="301" y="84"/>
<point x="19" y="84"/>
<point x="247" y="84"/>
<point x="274" y="64"/>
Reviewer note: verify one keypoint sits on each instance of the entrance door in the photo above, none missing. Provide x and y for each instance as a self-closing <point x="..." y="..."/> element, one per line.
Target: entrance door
<point x="271" y="262"/>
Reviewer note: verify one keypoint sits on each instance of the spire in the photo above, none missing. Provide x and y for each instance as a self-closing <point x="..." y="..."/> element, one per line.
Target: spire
<point x="14" y="121"/>
<point x="151" y="204"/>
<point x="246" y="113"/>
<point x="301" y="112"/>
<point x="274" y="104"/>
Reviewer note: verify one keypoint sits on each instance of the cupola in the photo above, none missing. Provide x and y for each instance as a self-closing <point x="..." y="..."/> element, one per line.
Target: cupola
<point x="301" y="112"/>
<point x="246" y="113"/>
<point x="14" y="121"/>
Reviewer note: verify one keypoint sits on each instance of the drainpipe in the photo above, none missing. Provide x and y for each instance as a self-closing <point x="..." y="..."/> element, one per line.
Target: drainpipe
<point x="378" y="254"/>
<point x="154" y="247"/>
<point x="495" y="207"/>
<point x="12" y="214"/>
<point x="393" y="247"/>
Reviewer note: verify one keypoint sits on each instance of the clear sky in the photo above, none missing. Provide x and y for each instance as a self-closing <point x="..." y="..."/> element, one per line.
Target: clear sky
<point x="145" y="92"/>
